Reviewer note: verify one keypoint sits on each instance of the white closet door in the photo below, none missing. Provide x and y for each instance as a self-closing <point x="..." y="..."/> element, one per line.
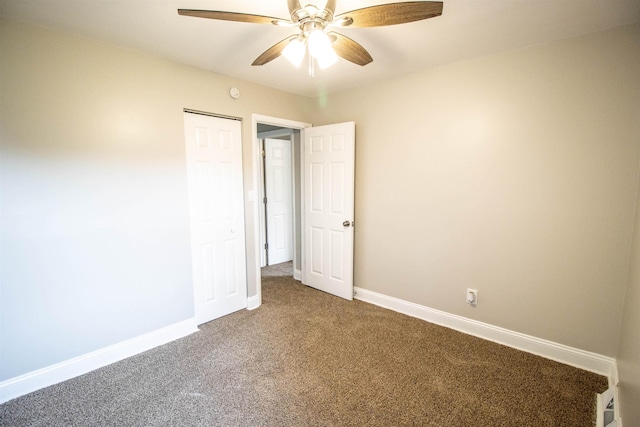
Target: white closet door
<point x="216" y="206"/>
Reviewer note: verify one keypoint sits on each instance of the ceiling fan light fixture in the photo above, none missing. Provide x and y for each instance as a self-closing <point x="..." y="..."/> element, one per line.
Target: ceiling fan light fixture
<point x="320" y="48"/>
<point x="294" y="52"/>
<point x="319" y="43"/>
<point x="327" y="60"/>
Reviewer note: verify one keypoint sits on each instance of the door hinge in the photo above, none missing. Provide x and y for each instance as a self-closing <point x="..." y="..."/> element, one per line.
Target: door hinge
<point x="266" y="246"/>
<point x="264" y="153"/>
<point x="264" y="200"/>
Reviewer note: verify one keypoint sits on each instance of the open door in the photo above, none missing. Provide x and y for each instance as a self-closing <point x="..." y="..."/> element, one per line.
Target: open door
<point x="329" y="166"/>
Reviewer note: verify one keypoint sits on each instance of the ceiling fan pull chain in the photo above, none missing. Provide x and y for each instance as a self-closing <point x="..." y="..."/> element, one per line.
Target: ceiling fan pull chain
<point x="312" y="68"/>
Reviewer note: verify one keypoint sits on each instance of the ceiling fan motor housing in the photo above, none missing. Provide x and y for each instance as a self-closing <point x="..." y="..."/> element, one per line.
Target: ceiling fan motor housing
<point x="314" y="9"/>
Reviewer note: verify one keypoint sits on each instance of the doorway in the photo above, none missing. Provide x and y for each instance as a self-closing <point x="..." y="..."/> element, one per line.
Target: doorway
<point x="279" y="194"/>
<point x="264" y="124"/>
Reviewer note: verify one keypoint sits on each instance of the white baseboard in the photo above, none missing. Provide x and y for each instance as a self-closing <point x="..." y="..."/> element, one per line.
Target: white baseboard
<point x="586" y="360"/>
<point x="254" y="302"/>
<point x="35" y="380"/>
<point x="297" y="274"/>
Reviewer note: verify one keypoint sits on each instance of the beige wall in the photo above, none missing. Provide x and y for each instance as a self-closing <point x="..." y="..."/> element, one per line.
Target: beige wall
<point x="629" y="349"/>
<point x="514" y="174"/>
<point x="95" y="233"/>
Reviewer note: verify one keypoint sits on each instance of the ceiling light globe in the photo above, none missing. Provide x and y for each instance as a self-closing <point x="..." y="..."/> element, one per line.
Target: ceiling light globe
<point x="320" y="48"/>
<point x="294" y="52"/>
<point x="318" y="43"/>
<point x="327" y="60"/>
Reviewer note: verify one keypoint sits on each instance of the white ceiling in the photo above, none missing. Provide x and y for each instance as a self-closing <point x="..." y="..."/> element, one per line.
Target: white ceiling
<point x="466" y="29"/>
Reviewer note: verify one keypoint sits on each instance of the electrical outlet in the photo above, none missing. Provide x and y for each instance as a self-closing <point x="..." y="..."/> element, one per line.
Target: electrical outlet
<point x="472" y="296"/>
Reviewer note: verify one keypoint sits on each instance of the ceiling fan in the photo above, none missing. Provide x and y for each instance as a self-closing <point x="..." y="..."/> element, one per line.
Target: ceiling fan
<point x="315" y="17"/>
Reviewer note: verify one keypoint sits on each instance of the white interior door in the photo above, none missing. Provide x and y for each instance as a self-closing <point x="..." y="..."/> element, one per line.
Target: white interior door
<point x="279" y="200"/>
<point x="216" y="206"/>
<point x="329" y="157"/>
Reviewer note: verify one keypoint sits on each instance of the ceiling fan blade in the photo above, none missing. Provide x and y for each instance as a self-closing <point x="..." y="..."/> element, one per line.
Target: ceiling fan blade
<point x="273" y="52"/>
<point x="391" y="14"/>
<point x="350" y="50"/>
<point x="229" y="16"/>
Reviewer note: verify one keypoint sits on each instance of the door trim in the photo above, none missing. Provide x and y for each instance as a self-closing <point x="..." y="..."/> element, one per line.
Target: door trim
<point x="256" y="300"/>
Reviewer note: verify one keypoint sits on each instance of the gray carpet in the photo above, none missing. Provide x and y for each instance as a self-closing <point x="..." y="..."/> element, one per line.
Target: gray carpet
<point x="305" y="358"/>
